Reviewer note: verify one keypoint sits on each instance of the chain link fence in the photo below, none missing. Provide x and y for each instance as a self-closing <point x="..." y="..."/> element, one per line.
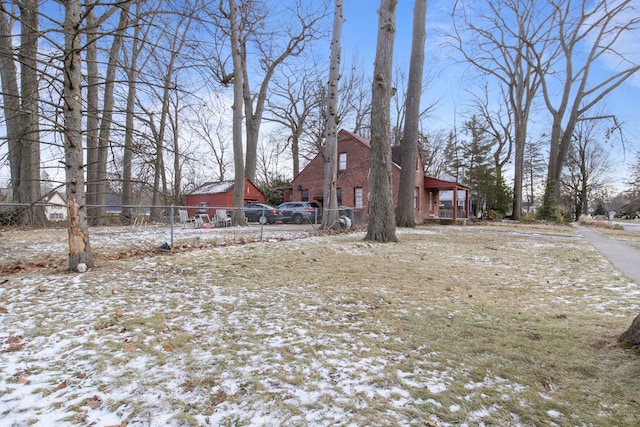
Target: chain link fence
<point x="121" y="231"/>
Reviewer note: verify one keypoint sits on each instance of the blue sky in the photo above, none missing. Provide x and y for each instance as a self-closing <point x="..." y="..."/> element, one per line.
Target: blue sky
<point x="450" y="82"/>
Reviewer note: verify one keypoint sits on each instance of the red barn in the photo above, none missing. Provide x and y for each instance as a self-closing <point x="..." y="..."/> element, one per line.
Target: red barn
<point x="213" y="195"/>
<point x="352" y="187"/>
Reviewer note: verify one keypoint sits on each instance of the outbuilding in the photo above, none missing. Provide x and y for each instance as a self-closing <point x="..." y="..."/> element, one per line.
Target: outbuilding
<point x="219" y="195"/>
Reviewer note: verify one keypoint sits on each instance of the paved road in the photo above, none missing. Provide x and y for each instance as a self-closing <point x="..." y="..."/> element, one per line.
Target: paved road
<point x="624" y="257"/>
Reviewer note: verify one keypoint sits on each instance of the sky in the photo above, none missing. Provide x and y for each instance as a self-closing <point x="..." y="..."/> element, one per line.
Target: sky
<point x="450" y="81"/>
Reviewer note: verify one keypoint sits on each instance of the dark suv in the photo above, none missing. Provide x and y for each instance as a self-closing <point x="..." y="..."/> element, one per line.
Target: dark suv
<point x="253" y="212"/>
<point x="300" y="212"/>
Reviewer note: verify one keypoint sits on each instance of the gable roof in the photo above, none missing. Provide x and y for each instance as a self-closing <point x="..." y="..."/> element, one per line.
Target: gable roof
<point x="214" y="187"/>
<point x="344" y="134"/>
<point x="52" y="195"/>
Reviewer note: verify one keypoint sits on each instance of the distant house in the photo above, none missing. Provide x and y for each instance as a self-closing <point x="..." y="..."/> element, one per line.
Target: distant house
<point x="55" y="208"/>
<point x="354" y="155"/>
<point x="113" y="204"/>
<point x="220" y="195"/>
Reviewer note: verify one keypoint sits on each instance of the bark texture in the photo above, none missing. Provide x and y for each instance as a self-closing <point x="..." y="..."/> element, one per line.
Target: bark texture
<point x="405" y="210"/>
<point x="330" y="213"/>
<point x="79" y="247"/>
<point x="382" y="223"/>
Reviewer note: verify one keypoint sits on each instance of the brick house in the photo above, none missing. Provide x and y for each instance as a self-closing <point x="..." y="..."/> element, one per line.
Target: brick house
<point x="354" y="153"/>
<point x="220" y="195"/>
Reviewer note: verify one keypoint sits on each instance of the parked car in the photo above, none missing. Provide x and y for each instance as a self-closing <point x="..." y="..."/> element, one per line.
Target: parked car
<point x="253" y="212"/>
<point x="300" y="212"/>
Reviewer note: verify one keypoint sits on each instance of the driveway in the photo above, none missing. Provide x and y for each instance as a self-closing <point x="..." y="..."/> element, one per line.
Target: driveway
<point x="624" y="257"/>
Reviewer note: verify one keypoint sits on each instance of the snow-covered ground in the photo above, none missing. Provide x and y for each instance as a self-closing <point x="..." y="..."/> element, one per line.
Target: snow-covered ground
<point x="299" y="330"/>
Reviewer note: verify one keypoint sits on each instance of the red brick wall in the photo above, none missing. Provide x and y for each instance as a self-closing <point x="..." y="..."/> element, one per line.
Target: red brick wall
<point x="355" y="175"/>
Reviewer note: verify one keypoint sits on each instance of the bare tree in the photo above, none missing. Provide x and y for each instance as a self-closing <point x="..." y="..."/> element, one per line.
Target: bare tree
<point x="11" y="98"/>
<point x="21" y="105"/>
<point x="238" y="217"/>
<point x="301" y="28"/>
<point x="584" y="35"/>
<point x="330" y="204"/>
<point x="79" y="246"/>
<point x="134" y="64"/>
<point x="498" y="38"/>
<point x="99" y="169"/>
<point x="353" y="111"/>
<point x="382" y="225"/>
<point x="405" y="216"/>
<point x="432" y="148"/>
<point x="168" y="66"/>
<point x="586" y="168"/>
<point x="209" y="125"/>
<point x="293" y="99"/>
<point x="499" y="124"/>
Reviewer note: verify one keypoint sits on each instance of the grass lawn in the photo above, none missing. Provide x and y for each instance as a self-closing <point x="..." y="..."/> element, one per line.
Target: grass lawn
<point x="502" y="325"/>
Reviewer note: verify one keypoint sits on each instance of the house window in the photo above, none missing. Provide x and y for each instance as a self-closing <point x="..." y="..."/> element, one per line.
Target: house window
<point x="416" y="199"/>
<point x="358" y="197"/>
<point x="305" y="195"/>
<point x="339" y="194"/>
<point x="430" y="201"/>
<point x="342" y="161"/>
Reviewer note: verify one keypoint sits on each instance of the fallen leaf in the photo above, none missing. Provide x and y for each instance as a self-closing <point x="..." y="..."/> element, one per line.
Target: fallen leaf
<point x="219" y="397"/>
<point x="167" y="347"/>
<point x="190" y="384"/>
<point x="430" y="423"/>
<point x="94" y="402"/>
<point x="119" y="313"/>
<point x="3" y="310"/>
<point x="14" y="339"/>
<point x="23" y="380"/>
<point x="60" y="386"/>
<point x="130" y="348"/>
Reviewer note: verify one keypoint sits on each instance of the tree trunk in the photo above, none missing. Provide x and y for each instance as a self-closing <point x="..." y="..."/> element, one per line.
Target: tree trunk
<point x="330" y="215"/>
<point x="177" y="167"/>
<point x="631" y="337"/>
<point x="238" y="158"/>
<point x="382" y="225"/>
<point x="104" y="139"/>
<point x="127" y="155"/>
<point x="405" y="216"/>
<point x="11" y="101"/>
<point x="79" y="247"/>
<point x="518" y="169"/>
<point x="93" y="112"/>
<point x="133" y="71"/>
<point x="30" y="161"/>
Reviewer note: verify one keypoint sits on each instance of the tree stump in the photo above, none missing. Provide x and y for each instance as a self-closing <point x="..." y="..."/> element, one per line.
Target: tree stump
<point x="631" y="337"/>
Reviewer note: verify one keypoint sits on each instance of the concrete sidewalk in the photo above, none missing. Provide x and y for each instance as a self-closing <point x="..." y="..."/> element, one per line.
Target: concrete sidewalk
<point x="624" y="257"/>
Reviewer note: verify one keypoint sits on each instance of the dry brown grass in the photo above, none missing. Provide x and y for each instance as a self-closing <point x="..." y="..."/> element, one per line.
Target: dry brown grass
<point x="501" y="325"/>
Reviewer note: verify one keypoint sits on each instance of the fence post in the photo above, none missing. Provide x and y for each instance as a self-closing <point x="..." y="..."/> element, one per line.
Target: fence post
<point x="171" y="220"/>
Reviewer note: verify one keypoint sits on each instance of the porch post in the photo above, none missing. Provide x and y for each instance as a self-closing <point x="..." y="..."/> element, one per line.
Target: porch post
<point x="455" y="203"/>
